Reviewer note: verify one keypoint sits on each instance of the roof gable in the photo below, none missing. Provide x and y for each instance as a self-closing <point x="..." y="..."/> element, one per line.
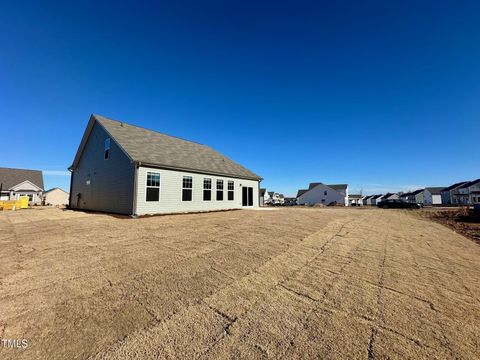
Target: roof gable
<point x="454" y="186"/>
<point x="155" y="149"/>
<point x="468" y="184"/>
<point x="9" y="178"/>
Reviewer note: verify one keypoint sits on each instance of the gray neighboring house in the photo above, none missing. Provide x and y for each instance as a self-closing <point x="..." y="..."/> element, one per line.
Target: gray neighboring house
<point x="20" y="182"/>
<point x="448" y="193"/>
<point x="126" y="169"/>
<point x="462" y="197"/>
<point x="433" y="196"/>
<point x="319" y="193"/>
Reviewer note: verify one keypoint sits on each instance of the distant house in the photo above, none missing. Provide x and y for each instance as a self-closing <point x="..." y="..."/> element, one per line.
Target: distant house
<point x="270" y="197"/>
<point x="448" y="193"/>
<point x="387" y="196"/>
<point x="262" y="196"/>
<point x="21" y="182"/>
<point x="366" y="199"/>
<point x="55" y="197"/>
<point x="127" y="169"/>
<point x="433" y="196"/>
<point x="415" y="197"/>
<point x="463" y="195"/>
<point x="374" y="199"/>
<point x="319" y="193"/>
<point x="355" y="199"/>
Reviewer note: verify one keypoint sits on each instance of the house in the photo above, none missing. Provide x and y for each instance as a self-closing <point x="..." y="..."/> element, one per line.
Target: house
<point x="21" y="182"/>
<point x="448" y="192"/>
<point x="389" y="196"/>
<point x="319" y="193"/>
<point x="262" y="194"/>
<point x="366" y="199"/>
<point x="415" y="197"/>
<point x="270" y="197"/>
<point x="355" y="199"/>
<point x="475" y="197"/>
<point x="462" y="196"/>
<point x="374" y="199"/>
<point x="433" y="196"/>
<point x="126" y="169"/>
<point x="55" y="197"/>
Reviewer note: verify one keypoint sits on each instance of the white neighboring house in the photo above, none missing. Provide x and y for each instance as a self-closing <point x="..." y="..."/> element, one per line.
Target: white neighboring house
<point x="319" y="193"/>
<point x="15" y="183"/>
<point x="355" y="199"/>
<point x="126" y="169"/>
<point x="55" y="197"/>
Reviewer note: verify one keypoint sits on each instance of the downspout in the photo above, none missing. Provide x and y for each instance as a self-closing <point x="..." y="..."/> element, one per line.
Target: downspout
<point x="135" y="185"/>
<point x="70" y="193"/>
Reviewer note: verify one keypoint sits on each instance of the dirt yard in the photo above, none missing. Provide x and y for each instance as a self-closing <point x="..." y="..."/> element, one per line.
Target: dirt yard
<point x="292" y="283"/>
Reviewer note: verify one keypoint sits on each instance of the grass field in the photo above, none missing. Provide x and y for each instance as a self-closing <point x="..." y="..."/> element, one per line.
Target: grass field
<point x="293" y="284"/>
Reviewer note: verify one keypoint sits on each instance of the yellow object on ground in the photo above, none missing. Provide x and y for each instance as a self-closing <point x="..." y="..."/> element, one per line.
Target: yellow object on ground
<point x="23" y="202"/>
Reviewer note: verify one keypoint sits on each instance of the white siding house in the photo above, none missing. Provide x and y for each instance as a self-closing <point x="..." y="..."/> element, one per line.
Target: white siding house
<point x="130" y="170"/>
<point x="319" y="193"/>
<point x="15" y="183"/>
<point x="432" y="196"/>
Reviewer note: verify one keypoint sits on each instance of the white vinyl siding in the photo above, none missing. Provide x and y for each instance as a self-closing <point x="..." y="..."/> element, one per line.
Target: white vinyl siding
<point x="171" y="193"/>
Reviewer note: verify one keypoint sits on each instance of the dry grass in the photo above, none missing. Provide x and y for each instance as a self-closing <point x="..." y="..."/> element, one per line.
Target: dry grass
<point x="293" y="283"/>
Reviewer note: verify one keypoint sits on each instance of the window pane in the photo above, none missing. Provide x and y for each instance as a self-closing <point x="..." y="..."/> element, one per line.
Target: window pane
<point x="230" y="185"/>
<point x="219" y="184"/>
<point x="230" y="195"/>
<point x="153" y="193"/>
<point x="219" y="194"/>
<point x="187" y="182"/>
<point x="186" y="195"/>
<point x="207" y="183"/>
<point x="207" y="195"/>
<point x="153" y="179"/>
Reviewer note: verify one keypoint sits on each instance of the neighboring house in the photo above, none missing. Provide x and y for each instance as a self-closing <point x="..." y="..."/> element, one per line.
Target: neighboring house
<point x="290" y="200"/>
<point x="262" y="196"/>
<point x="127" y="169"/>
<point x="404" y="196"/>
<point x="366" y="199"/>
<point x="415" y="197"/>
<point x="375" y="199"/>
<point x="462" y="196"/>
<point x="390" y="196"/>
<point x="319" y="193"/>
<point x="55" y="197"/>
<point x="475" y="197"/>
<point x="355" y="199"/>
<point x="21" y="182"/>
<point x="433" y="196"/>
<point x="448" y="192"/>
<point x="270" y="197"/>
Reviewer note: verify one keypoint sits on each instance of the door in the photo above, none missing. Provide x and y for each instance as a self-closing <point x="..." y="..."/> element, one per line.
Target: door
<point x="247" y="196"/>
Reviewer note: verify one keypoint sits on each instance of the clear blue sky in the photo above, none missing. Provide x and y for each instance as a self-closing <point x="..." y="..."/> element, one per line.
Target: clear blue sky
<point x="381" y="95"/>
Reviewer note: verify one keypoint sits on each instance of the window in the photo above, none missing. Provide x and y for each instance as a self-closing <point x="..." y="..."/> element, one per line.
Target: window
<point x="187" y="185"/>
<point x="207" y="189"/>
<point x="325" y="193"/>
<point x="153" y="186"/>
<point x="220" y="190"/>
<point x="106" y="149"/>
<point x="230" y="189"/>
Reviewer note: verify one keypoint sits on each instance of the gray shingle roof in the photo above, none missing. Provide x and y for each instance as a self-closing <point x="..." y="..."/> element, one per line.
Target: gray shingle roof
<point x="301" y="192"/>
<point x="11" y="177"/>
<point x="153" y="148"/>
<point x="435" y="190"/>
<point x="454" y="186"/>
<point x="470" y="183"/>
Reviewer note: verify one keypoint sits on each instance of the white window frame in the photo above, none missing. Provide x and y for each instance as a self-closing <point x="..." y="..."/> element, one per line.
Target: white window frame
<point x="152" y="186"/>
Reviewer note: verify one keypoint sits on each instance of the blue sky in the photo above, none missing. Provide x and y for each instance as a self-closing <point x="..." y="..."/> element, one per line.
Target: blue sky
<point x="380" y="95"/>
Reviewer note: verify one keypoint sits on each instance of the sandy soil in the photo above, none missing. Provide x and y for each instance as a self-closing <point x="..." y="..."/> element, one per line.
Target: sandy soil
<point x="293" y="283"/>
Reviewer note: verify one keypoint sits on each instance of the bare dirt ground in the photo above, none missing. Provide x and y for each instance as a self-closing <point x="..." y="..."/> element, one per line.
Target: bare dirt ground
<point x="462" y="220"/>
<point x="293" y="284"/>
